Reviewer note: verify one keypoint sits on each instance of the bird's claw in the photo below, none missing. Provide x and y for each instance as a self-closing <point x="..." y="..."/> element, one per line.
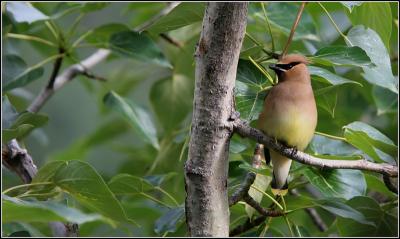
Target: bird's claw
<point x="293" y="151"/>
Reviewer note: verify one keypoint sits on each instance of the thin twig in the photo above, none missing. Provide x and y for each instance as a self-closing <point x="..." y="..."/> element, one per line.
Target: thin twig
<point x="171" y="40"/>
<point x="154" y="19"/>
<point x="292" y="31"/>
<point x="242" y="128"/>
<point x="56" y="68"/>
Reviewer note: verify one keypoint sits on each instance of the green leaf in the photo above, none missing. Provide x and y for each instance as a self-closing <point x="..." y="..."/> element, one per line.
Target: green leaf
<point x="84" y="184"/>
<point x="376" y="184"/>
<point x="171" y="99"/>
<point x="342" y="56"/>
<point x="100" y="36"/>
<point x="337" y="207"/>
<point x="126" y="184"/>
<point x="170" y="221"/>
<point x="23" y="12"/>
<point x="17" y="210"/>
<point x="376" y="16"/>
<point x="351" y="4"/>
<point x="8" y="112"/>
<point x="182" y="15"/>
<point x="385" y="100"/>
<point x="323" y="147"/>
<point x="385" y="224"/>
<point x="138" y="46"/>
<point x="370" y="140"/>
<point x="330" y="77"/>
<point x="342" y="183"/>
<point x="325" y="97"/>
<point x="249" y="90"/>
<point x="18" y="74"/>
<point x="381" y="73"/>
<point x="261" y="182"/>
<point x="138" y="118"/>
<point x="20" y="234"/>
<point x="90" y="6"/>
<point x="24" y="124"/>
<point x="282" y="16"/>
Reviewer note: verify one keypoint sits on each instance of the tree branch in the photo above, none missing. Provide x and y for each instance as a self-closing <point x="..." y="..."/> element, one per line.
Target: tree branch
<point x="242" y="128"/>
<point x="206" y="170"/>
<point x="243" y="190"/>
<point x="67" y="75"/>
<point x="292" y="31"/>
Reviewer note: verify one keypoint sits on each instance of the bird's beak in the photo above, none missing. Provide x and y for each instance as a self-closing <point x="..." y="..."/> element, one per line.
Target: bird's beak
<point x="276" y="68"/>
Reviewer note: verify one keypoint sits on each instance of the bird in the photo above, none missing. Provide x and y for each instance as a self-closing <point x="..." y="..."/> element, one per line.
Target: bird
<point x="289" y="115"/>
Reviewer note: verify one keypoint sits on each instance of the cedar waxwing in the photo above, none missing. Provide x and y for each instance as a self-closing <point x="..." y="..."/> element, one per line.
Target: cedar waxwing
<point x="289" y="115"/>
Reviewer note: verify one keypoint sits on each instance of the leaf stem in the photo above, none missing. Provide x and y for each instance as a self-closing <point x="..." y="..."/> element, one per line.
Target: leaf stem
<point x="167" y="194"/>
<point x="30" y="38"/>
<point x="269" y="27"/>
<point x="24" y="186"/>
<point x="263" y="71"/>
<point x="331" y="136"/>
<point x="334" y="24"/>
<point x="293" y="29"/>
<point x="286" y="218"/>
<point x="155" y="199"/>
<point x="266" y="194"/>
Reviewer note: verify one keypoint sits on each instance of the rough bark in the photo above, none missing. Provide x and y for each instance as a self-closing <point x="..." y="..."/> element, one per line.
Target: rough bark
<point x="206" y="171"/>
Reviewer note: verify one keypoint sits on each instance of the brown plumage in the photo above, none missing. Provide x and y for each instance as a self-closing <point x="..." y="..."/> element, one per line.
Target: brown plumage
<point x="289" y="114"/>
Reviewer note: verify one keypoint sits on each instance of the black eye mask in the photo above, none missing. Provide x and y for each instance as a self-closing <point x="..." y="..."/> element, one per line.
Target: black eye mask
<point x="287" y="66"/>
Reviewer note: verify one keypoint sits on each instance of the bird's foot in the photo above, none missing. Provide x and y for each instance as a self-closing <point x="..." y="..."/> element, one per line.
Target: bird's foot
<point x="293" y="151"/>
<point x="234" y="116"/>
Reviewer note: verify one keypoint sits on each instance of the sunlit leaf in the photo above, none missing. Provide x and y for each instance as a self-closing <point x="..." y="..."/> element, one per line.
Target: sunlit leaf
<point x="381" y="72"/>
<point x="342" y="56"/>
<point x="24" y="12"/>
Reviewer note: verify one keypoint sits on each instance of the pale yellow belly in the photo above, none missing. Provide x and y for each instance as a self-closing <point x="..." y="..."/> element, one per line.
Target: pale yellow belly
<point x="292" y="125"/>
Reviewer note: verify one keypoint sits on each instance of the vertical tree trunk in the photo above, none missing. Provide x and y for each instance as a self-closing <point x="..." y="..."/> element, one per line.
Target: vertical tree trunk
<point x="206" y="171"/>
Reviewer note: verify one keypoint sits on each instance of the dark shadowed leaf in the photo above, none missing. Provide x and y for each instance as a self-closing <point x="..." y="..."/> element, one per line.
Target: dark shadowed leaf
<point x="182" y="15"/>
<point x="138" y="46"/>
<point x="20" y="234"/>
<point x="381" y="72"/>
<point x="170" y="221"/>
<point x="343" y="183"/>
<point x="385" y="224"/>
<point x="139" y="119"/>
<point x="341" y="56"/>
<point x="24" y="12"/>
<point x="249" y="90"/>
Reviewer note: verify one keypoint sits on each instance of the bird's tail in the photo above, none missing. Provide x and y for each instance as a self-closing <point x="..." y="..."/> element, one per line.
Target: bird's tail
<point x="281" y="167"/>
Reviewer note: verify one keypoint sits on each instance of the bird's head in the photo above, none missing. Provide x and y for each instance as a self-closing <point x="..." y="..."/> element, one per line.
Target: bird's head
<point x="292" y="67"/>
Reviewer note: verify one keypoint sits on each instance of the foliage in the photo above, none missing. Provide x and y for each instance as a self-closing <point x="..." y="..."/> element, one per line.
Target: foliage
<point x="111" y="155"/>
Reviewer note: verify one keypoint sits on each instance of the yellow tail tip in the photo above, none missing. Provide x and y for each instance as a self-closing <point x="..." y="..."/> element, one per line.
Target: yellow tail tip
<point x="279" y="192"/>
